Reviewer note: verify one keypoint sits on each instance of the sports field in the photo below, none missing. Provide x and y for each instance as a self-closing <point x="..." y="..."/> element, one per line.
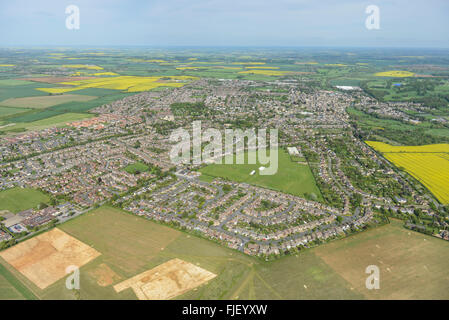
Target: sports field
<point x="412" y="265"/>
<point x="136" y="167"/>
<point x="291" y="177"/>
<point x="19" y="199"/>
<point x="429" y="164"/>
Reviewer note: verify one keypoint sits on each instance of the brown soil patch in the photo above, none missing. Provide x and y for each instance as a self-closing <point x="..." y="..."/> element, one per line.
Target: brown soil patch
<point x="56" y="79"/>
<point x="104" y="275"/>
<point x="44" y="258"/>
<point x="166" y="281"/>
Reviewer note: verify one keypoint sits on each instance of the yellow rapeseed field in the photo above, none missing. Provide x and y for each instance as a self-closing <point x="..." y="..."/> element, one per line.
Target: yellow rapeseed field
<point x="265" y="72"/>
<point x="429" y="164"/>
<point x="105" y="74"/>
<point x="82" y="66"/>
<point x="395" y="74"/>
<point x="262" y="67"/>
<point x="124" y="83"/>
<point x="384" y="147"/>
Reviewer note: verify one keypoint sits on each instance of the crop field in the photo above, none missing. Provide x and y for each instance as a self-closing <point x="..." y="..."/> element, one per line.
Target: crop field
<point x="59" y="120"/>
<point x="430" y="148"/>
<point x="395" y="74"/>
<point x="21" y="91"/>
<point x="291" y="177"/>
<point x="265" y="72"/>
<point x="429" y="164"/>
<point x="13" y="82"/>
<point x="127" y="83"/>
<point x="412" y="265"/>
<point x="11" y="288"/>
<point x="431" y="169"/>
<point x="19" y="199"/>
<point x="8" y="111"/>
<point x="44" y="101"/>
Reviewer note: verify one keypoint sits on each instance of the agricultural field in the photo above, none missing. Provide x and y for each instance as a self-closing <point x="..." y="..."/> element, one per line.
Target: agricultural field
<point x="412" y="265"/>
<point x="291" y="177"/>
<point x="8" y="111"/>
<point x="429" y="164"/>
<point x="11" y="288"/>
<point x="126" y="83"/>
<point x="395" y="74"/>
<point x="19" y="199"/>
<point x="60" y="120"/>
<point x="44" y="101"/>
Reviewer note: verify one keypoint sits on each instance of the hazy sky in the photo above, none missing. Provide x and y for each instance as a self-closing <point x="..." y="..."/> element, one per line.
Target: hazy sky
<point x="403" y="23"/>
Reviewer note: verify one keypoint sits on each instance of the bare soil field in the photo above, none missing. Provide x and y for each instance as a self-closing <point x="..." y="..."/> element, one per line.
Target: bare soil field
<point x="104" y="275"/>
<point x="57" y="79"/>
<point x="166" y="281"/>
<point x="44" y="258"/>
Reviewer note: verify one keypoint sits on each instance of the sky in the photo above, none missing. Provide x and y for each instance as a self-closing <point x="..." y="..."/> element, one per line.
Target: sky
<point x="291" y="23"/>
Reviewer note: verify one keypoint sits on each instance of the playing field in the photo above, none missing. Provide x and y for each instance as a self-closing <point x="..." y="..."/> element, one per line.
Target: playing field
<point x="136" y="167"/>
<point x="19" y="199"/>
<point x="44" y="101"/>
<point x="291" y="177"/>
<point x="429" y="164"/>
<point x="412" y="265"/>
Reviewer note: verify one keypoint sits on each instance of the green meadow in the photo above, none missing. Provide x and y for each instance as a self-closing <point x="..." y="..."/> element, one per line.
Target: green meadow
<point x="18" y="199"/>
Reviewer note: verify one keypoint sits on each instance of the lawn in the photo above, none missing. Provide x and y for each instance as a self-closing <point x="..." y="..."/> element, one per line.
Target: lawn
<point x="291" y="177"/>
<point x="19" y="199"/>
<point x="136" y="167"/>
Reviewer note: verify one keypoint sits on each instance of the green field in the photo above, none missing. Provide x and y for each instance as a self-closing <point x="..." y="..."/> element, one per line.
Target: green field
<point x="19" y="199"/>
<point x="44" y="101"/>
<point x="8" y="111"/>
<point x="412" y="265"/>
<point x="54" y="121"/>
<point x="136" y="167"/>
<point x="291" y="177"/>
<point x="11" y="288"/>
<point x="13" y="82"/>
